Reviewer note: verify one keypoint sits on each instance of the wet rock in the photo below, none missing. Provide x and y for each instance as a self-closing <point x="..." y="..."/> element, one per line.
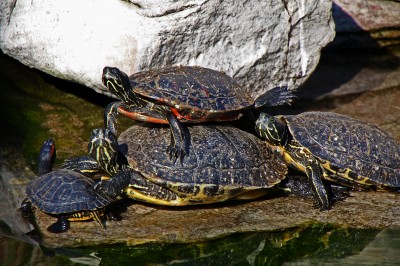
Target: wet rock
<point x="277" y="41"/>
<point x="146" y="223"/>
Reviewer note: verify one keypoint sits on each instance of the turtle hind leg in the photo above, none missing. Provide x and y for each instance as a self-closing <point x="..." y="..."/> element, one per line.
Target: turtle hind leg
<point x="61" y="226"/>
<point x="338" y="192"/>
<point x="275" y="97"/>
<point x="96" y="217"/>
<point x="111" y="216"/>
<point x="180" y="142"/>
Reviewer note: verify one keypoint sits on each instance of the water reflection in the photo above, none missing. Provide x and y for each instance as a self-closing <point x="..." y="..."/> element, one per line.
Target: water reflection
<point x="308" y="244"/>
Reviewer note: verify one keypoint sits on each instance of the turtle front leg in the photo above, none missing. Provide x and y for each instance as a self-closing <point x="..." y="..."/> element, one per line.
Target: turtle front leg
<point x="179" y="145"/>
<point x="85" y="165"/>
<point x="299" y="186"/>
<point x="110" y="116"/>
<point x="314" y="175"/>
<point x="116" y="185"/>
<point x="62" y="225"/>
<point x="26" y="210"/>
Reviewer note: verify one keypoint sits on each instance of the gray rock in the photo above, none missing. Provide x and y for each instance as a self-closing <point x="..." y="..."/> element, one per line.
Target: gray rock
<point x="369" y="15"/>
<point x="365" y="54"/>
<point x="261" y="43"/>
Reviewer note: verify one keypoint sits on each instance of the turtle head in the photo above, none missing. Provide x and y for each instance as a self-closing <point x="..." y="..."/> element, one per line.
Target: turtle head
<point x="47" y="155"/>
<point x="103" y="147"/>
<point x="116" y="81"/>
<point x="273" y="129"/>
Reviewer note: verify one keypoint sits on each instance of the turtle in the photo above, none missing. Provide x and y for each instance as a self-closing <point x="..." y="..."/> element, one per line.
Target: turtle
<point x="64" y="193"/>
<point x="224" y="163"/>
<point x="335" y="147"/>
<point x="181" y="94"/>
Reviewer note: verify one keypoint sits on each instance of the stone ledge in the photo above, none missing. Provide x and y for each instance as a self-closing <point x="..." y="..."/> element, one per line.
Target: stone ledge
<point x="147" y="223"/>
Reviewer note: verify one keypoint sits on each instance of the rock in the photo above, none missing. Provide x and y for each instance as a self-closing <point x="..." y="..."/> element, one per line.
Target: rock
<point x="262" y="44"/>
<point x="368" y="23"/>
<point x="148" y="223"/>
<point x="368" y="15"/>
<point x="365" y="54"/>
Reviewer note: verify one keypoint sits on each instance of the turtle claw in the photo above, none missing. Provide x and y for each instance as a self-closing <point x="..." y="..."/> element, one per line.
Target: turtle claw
<point x="112" y="217"/>
<point x="98" y="185"/>
<point x="275" y="97"/>
<point x="61" y="226"/>
<point x="175" y="153"/>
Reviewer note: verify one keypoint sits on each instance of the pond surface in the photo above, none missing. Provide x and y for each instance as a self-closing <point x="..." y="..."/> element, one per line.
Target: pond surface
<point x="302" y="245"/>
<point x="36" y="106"/>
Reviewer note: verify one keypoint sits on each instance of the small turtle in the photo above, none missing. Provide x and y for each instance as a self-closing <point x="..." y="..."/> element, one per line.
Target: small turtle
<point x="181" y="94"/>
<point x="224" y="163"/>
<point x="334" y="147"/>
<point x="64" y="193"/>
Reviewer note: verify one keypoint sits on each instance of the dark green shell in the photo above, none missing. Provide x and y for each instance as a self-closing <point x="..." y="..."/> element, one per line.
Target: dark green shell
<point x="219" y="155"/>
<point x="65" y="191"/>
<point x="349" y="146"/>
<point x="192" y="88"/>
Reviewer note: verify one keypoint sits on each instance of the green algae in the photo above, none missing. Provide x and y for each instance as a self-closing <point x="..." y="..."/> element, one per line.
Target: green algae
<point x="34" y="108"/>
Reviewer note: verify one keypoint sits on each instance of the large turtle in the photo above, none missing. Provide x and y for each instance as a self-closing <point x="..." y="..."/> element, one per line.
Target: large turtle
<point x="224" y="163"/>
<point x="64" y="193"/>
<point x="181" y="94"/>
<point x="334" y="147"/>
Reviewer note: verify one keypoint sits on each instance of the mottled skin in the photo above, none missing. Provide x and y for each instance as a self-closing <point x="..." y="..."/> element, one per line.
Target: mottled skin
<point x="179" y="94"/>
<point x="65" y="193"/>
<point x="335" y="147"/>
<point x="224" y="163"/>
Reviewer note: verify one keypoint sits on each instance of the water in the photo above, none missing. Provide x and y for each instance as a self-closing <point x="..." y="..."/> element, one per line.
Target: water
<point x="312" y="244"/>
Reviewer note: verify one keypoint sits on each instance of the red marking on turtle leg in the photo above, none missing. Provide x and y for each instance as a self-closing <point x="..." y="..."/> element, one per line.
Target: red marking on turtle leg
<point x="138" y="116"/>
<point x="176" y="113"/>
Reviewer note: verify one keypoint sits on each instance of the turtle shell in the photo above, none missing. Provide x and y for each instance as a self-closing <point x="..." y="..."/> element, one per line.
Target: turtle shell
<point x="195" y="91"/>
<point x="222" y="158"/>
<point x="348" y="147"/>
<point x="65" y="191"/>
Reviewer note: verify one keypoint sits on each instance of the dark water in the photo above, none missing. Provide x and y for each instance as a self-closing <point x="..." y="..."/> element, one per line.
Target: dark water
<point x="316" y="244"/>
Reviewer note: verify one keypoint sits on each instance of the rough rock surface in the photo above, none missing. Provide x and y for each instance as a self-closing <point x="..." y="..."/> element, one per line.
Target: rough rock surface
<point x="371" y="15"/>
<point x="144" y="223"/>
<point x="365" y="54"/>
<point x="261" y="43"/>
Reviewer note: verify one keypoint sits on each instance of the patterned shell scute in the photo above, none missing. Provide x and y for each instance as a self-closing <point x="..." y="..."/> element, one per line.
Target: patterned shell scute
<point x="348" y="143"/>
<point x="65" y="191"/>
<point x="219" y="155"/>
<point x="192" y="87"/>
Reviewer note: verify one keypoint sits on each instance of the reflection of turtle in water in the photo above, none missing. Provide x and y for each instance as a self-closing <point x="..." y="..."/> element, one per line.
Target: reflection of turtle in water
<point x="67" y="194"/>
<point x="334" y="147"/>
<point x="224" y="163"/>
<point x="181" y="94"/>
